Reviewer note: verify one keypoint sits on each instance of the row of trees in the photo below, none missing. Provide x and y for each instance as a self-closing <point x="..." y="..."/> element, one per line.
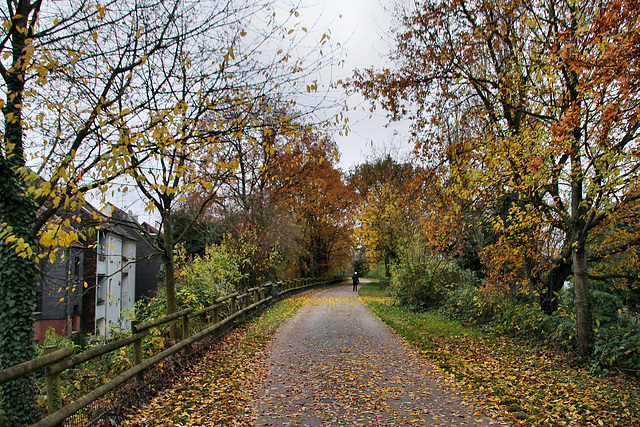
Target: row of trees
<point x="192" y="102"/>
<point x="525" y="120"/>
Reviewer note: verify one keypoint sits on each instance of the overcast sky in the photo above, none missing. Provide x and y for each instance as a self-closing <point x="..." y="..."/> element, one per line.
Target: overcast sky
<point x="363" y="29"/>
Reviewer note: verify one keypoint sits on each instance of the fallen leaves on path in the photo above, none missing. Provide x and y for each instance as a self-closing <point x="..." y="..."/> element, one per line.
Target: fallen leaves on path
<point x="336" y="364"/>
<point x="523" y="383"/>
<point x="220" y="389"/>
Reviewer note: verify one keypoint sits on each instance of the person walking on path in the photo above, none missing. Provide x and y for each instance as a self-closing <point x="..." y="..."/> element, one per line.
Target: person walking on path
<point x="355" y="281"/>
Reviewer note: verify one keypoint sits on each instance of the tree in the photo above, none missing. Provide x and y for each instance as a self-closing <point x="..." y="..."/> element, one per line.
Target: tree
<point x="308" y="185"/>
<point x="213" y="92"/>
<point x="71" y="88"/>
<point x="384" y="186"/>
<point x="380" y="229"/>
<point x="550" y="92"/>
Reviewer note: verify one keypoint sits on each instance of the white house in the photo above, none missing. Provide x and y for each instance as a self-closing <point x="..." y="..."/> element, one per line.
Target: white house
<point x="115" y="280"/>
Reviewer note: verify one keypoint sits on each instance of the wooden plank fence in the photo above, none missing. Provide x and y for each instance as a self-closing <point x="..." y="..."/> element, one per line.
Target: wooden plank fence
<point x="57" y="361"/>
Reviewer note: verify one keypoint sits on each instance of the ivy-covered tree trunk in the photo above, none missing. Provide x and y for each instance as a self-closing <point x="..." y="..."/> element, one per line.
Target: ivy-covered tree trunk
<point x="18" y="210"/>
<point x="17" y="298"/>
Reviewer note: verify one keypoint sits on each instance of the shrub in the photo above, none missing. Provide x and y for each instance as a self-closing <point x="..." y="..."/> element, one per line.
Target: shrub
<point x="200" y="280"/>
<point x="618" y="346"/>
<point x="422" y="282"/>
<point x="470" y="304"/>
<point x="515" y="319"/>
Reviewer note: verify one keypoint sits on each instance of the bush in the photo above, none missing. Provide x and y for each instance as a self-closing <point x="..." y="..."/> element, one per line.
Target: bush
<point x="470" y="304"/>
<point x="200" y="280"/>
<point x="616" y="340"/>
<point x="519" y="320"/>
<point x="618" y="346"/>
<point x="422" y="282"/>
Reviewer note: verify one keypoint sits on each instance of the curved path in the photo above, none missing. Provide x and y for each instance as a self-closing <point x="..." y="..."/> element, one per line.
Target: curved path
<point x="336" y="364"/>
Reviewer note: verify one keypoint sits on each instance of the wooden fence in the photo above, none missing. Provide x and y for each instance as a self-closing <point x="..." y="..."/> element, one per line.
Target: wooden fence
<point x="57" y="361"/>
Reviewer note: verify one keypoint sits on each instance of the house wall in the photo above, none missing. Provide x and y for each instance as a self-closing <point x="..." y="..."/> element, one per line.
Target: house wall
<point x="88" y="320"/>
<point x="59" y="325"/>
<point x="115" y="282"/>
<point x="59" y="293"/>
<point x="148" y="269"/>
<point x="148" y="260"/>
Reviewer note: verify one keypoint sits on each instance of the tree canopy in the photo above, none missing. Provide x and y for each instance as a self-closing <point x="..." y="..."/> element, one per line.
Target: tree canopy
<point x="529" y="103"/>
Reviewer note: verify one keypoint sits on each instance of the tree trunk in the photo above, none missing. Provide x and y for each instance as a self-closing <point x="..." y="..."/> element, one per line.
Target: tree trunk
<point x="387" y="267"/>
<point x="18" y="277"/>
<point x="579" y="253"/>
<point x="554" y="283"/>
<point x="18" y="274"/>
<point x="169" y="269"/>
<point x="583" y="305"/>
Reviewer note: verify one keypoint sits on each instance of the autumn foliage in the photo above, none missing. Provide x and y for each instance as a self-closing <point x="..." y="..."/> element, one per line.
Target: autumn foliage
<point x="525" y="114"/>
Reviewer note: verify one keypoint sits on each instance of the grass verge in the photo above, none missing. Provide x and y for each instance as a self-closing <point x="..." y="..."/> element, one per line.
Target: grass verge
<point x="220" y="389"/>
<point x="523" y="383"/>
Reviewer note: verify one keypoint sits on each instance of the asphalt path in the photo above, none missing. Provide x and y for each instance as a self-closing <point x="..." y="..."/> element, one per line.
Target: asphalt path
<point x="336" y="364"/>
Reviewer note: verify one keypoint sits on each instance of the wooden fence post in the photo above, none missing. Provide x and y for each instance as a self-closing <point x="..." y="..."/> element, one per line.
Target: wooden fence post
<point x="137" y="351"/>
<point x="52" y="383"/>
<point x="233" y="304"/>
<point x="215" y="316"/>
<point x="186" y="333"/>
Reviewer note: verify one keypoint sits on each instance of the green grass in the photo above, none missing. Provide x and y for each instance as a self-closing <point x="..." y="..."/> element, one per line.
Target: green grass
<point x="412" y="324"/>
<point x="523" y="383"/>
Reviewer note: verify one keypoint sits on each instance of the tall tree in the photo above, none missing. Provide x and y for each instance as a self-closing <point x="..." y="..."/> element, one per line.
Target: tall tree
<point x="384" y="187"/>
<point x="71" y="89"/>
<point x="309" y="186"/>
<point x="553" y="113"/>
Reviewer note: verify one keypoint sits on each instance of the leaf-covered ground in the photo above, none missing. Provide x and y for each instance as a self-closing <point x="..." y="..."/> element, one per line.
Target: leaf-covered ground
<point x="220" y="389"/>
<point x="523" y="383"/>
<point x="336" y="364"/>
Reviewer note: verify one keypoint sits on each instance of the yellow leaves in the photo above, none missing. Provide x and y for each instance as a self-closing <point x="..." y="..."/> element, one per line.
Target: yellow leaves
<point x="313" y="86"/>
<point x="22" y="248"/>
<point x="95" y="36"/>
<point x="9" y="117"/>
<point x="102" y="10"/>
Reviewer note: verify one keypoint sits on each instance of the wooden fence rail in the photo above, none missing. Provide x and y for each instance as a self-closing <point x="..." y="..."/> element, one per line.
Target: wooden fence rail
<point x="57" y="361"/>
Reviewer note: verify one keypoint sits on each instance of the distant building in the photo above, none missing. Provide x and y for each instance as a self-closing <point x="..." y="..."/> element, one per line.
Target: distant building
<point x="93" y="285"/>
<point x="115" y="281"/>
